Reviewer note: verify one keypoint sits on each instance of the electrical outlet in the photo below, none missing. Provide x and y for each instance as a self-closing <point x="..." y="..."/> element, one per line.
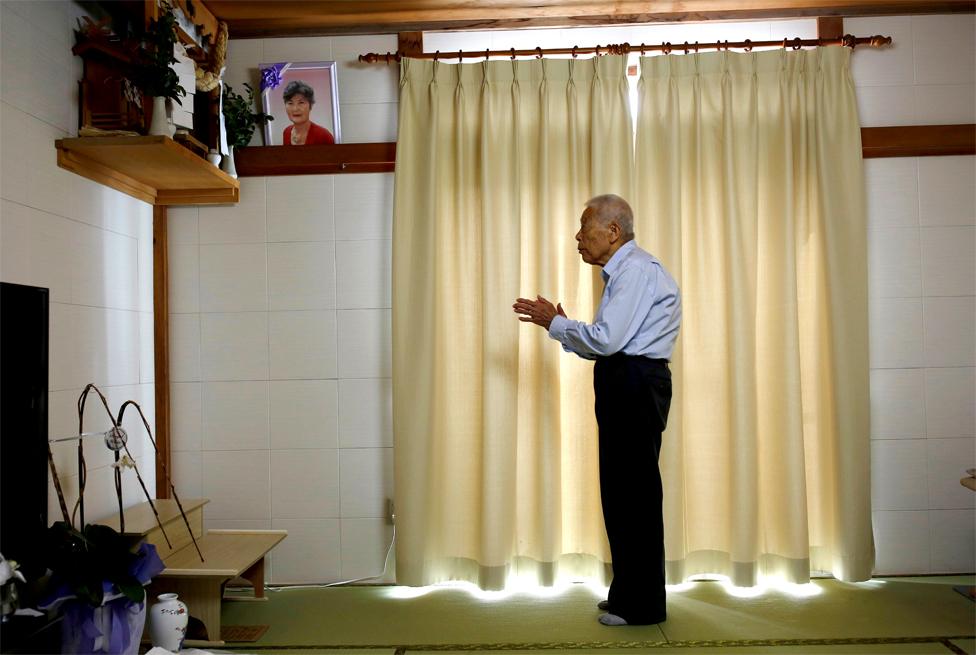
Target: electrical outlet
<point x="390" y="512"/>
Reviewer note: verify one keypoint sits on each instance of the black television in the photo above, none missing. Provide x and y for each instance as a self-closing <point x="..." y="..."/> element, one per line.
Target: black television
<point x="23" y="423"/>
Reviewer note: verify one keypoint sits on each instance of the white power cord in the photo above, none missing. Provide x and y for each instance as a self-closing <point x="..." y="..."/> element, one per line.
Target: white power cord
<point x="386" y="563"/>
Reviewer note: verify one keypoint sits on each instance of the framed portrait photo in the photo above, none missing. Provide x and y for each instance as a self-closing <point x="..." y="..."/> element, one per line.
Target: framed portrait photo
<point x="303" y="98"/>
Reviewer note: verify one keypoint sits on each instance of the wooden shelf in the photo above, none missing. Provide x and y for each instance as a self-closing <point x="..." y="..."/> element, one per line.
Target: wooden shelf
<point x="154" y="169"/>
<point x="918" y="141"/>
<point x="316" y="159"/>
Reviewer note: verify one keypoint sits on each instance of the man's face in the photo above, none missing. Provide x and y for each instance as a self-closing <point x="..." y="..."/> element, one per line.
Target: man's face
<point x="593" y="240"/>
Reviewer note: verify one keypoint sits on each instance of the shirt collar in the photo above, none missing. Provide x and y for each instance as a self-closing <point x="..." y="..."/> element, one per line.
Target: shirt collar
<point x="617" y="259"/>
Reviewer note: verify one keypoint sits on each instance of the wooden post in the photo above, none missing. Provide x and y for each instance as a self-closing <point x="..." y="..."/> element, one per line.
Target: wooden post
<point x="161" y="346"/>
<point x="409" y="43"/>
<point x="830" y="27"/>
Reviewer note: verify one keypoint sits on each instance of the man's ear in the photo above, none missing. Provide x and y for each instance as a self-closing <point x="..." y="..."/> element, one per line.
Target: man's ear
<point x="615" y="231"/>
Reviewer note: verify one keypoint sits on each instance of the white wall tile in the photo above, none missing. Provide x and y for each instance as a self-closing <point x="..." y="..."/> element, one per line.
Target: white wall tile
<point x="91" y="344"/>
<point x="186" y="412"/>
<point x="948" y="460"/>
<point x="950" y="331"/>
<point x="237" y="524"/>
<point x="897" y="403"/>
<point x="104" y="267"/>
<point x="896" y="333"/>
<point x="898" y="479"/>
<point x="363" y="270"/>
<point x="303" y="345"/>
<point x="147" y="348"/>
<point x="305" y="484"/>
<point x="365" y="343"/>
<point x="184" y="347"/>
<point x="883" y="106"/>
<point x="41" y="159"/>
<point x="949" y="402"/>
<point x="894" y="263"/>
<point x="182" y="225"/>
<point x="184" y="278"/>
<point x="310" y="553"/>
<point x="364" y="207"/>
<point x="365" y="83"/>
<point x="36" y="249"/>
<point x="304" y="414"/>
<point x="901" y="542"/>
<point x="238" y="484"/>
<point x="945" y="51"/>
<point x="365" y="545"/>
<point x="235" y="415"/>
<point x="368" y="122"/>
<point x="233" y="277"/>
<point x="945" y="190"/>
<point x="15" y="58"/>
<point x="953" y="543"/>
<point x="301" y="48"/>
<point x="366" y="413"/>
<point x="949" y="261"/>
<point x="185" y="473"/>
<point x="301" y="275"/>
<point x="366" y="481"/>
<point x="234" y="346"/>
<point x="891" y="191"/>
<point x="14" y="137"/>
<point x="892" y="65"/>
<point x="945" y="104"/>
<point x="240" y="223"/>
<point x="300" y="208"/>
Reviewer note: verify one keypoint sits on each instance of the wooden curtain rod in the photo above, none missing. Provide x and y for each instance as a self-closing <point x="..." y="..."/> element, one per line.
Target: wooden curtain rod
<point x="625" y="48"/>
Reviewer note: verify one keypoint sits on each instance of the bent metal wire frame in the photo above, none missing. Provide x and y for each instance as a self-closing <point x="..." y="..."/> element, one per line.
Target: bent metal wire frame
<point x="118" y="441"/>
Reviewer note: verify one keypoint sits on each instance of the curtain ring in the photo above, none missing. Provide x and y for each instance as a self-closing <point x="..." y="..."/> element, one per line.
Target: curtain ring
<point x="538" y="52"/>
<point x="784" y="44"/>
<point x="797" y="43"/>
<point x="437" y="54"/>
<point x="696" y="47"/>
<point x="748" y="46"/>
<point x="848" y="40"/>
<point x="598" y="50"/>
<point x="513" y="54"/>
<point x="686" y="48"/>
<point x="574" y="51"/>
<point x="666" y="47"/>
<point x="642" y="48"/>
<point x="486" y="54"/>
<point x="460" y="56"/>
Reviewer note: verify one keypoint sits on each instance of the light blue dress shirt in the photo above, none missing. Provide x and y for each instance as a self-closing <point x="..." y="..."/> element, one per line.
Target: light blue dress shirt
<point x="639" y="314"/>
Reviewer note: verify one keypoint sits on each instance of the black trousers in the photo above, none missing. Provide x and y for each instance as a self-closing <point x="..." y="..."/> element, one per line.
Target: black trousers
<point x="633" y="397"/>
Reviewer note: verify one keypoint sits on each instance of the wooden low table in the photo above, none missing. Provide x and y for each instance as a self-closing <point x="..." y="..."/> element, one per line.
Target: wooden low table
<point x="227" y="555"/>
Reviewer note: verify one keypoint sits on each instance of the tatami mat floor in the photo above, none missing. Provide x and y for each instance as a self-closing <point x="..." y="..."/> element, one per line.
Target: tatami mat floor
<point x="895" y="615"/>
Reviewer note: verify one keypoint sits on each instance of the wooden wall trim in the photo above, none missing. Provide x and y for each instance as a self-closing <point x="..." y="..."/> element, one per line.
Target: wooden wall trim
<point x="332" y="17"/>
<point x="830" y="27"/>
<point x="312" y="160"/>
<point x="161" y="347"/>
<point x="918" y="141"/>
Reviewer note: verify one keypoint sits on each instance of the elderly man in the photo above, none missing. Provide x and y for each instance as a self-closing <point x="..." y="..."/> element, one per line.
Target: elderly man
<point x="631" y="339"/>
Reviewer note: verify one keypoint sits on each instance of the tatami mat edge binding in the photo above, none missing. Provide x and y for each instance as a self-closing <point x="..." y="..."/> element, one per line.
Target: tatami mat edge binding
<point x="944" y="640"/>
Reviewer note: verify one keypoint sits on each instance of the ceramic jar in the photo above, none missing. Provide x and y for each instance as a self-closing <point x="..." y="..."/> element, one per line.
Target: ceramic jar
<point x="167" y="622"/>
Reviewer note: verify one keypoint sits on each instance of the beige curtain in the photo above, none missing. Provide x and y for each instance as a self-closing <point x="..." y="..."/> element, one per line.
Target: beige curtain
<point x="495" y="440"/>
<point x="750" y="190"/>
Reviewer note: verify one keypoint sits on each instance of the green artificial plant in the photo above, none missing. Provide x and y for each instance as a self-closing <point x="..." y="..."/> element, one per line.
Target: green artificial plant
<point x="153" y="72"/>
<point x="239" y="119"/>
<point x="83" y="560"/>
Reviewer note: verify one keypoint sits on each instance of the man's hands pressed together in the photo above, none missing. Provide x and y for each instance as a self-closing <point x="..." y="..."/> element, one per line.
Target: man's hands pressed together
<point x="539" y="311"/>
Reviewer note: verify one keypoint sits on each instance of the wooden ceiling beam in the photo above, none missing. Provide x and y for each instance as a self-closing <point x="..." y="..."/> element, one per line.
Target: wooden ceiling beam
<point x="248" y="19"/>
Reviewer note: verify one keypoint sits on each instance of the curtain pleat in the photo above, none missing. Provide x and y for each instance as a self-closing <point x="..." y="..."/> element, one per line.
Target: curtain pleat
<point x="495" y="440"/>
<point x="751" y="193"/>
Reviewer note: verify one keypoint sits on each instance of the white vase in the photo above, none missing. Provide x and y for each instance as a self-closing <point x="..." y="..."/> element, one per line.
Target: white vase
<point x="167" y="623"/>
<point x="227" y="164"/>
<point x="160" y="125"/>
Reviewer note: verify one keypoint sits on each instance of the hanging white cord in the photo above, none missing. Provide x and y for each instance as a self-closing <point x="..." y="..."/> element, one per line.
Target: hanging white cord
<point x="386" y="563"/>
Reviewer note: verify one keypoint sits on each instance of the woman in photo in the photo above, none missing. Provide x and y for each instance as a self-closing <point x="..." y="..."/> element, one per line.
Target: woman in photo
<point x="299" y="99"/>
